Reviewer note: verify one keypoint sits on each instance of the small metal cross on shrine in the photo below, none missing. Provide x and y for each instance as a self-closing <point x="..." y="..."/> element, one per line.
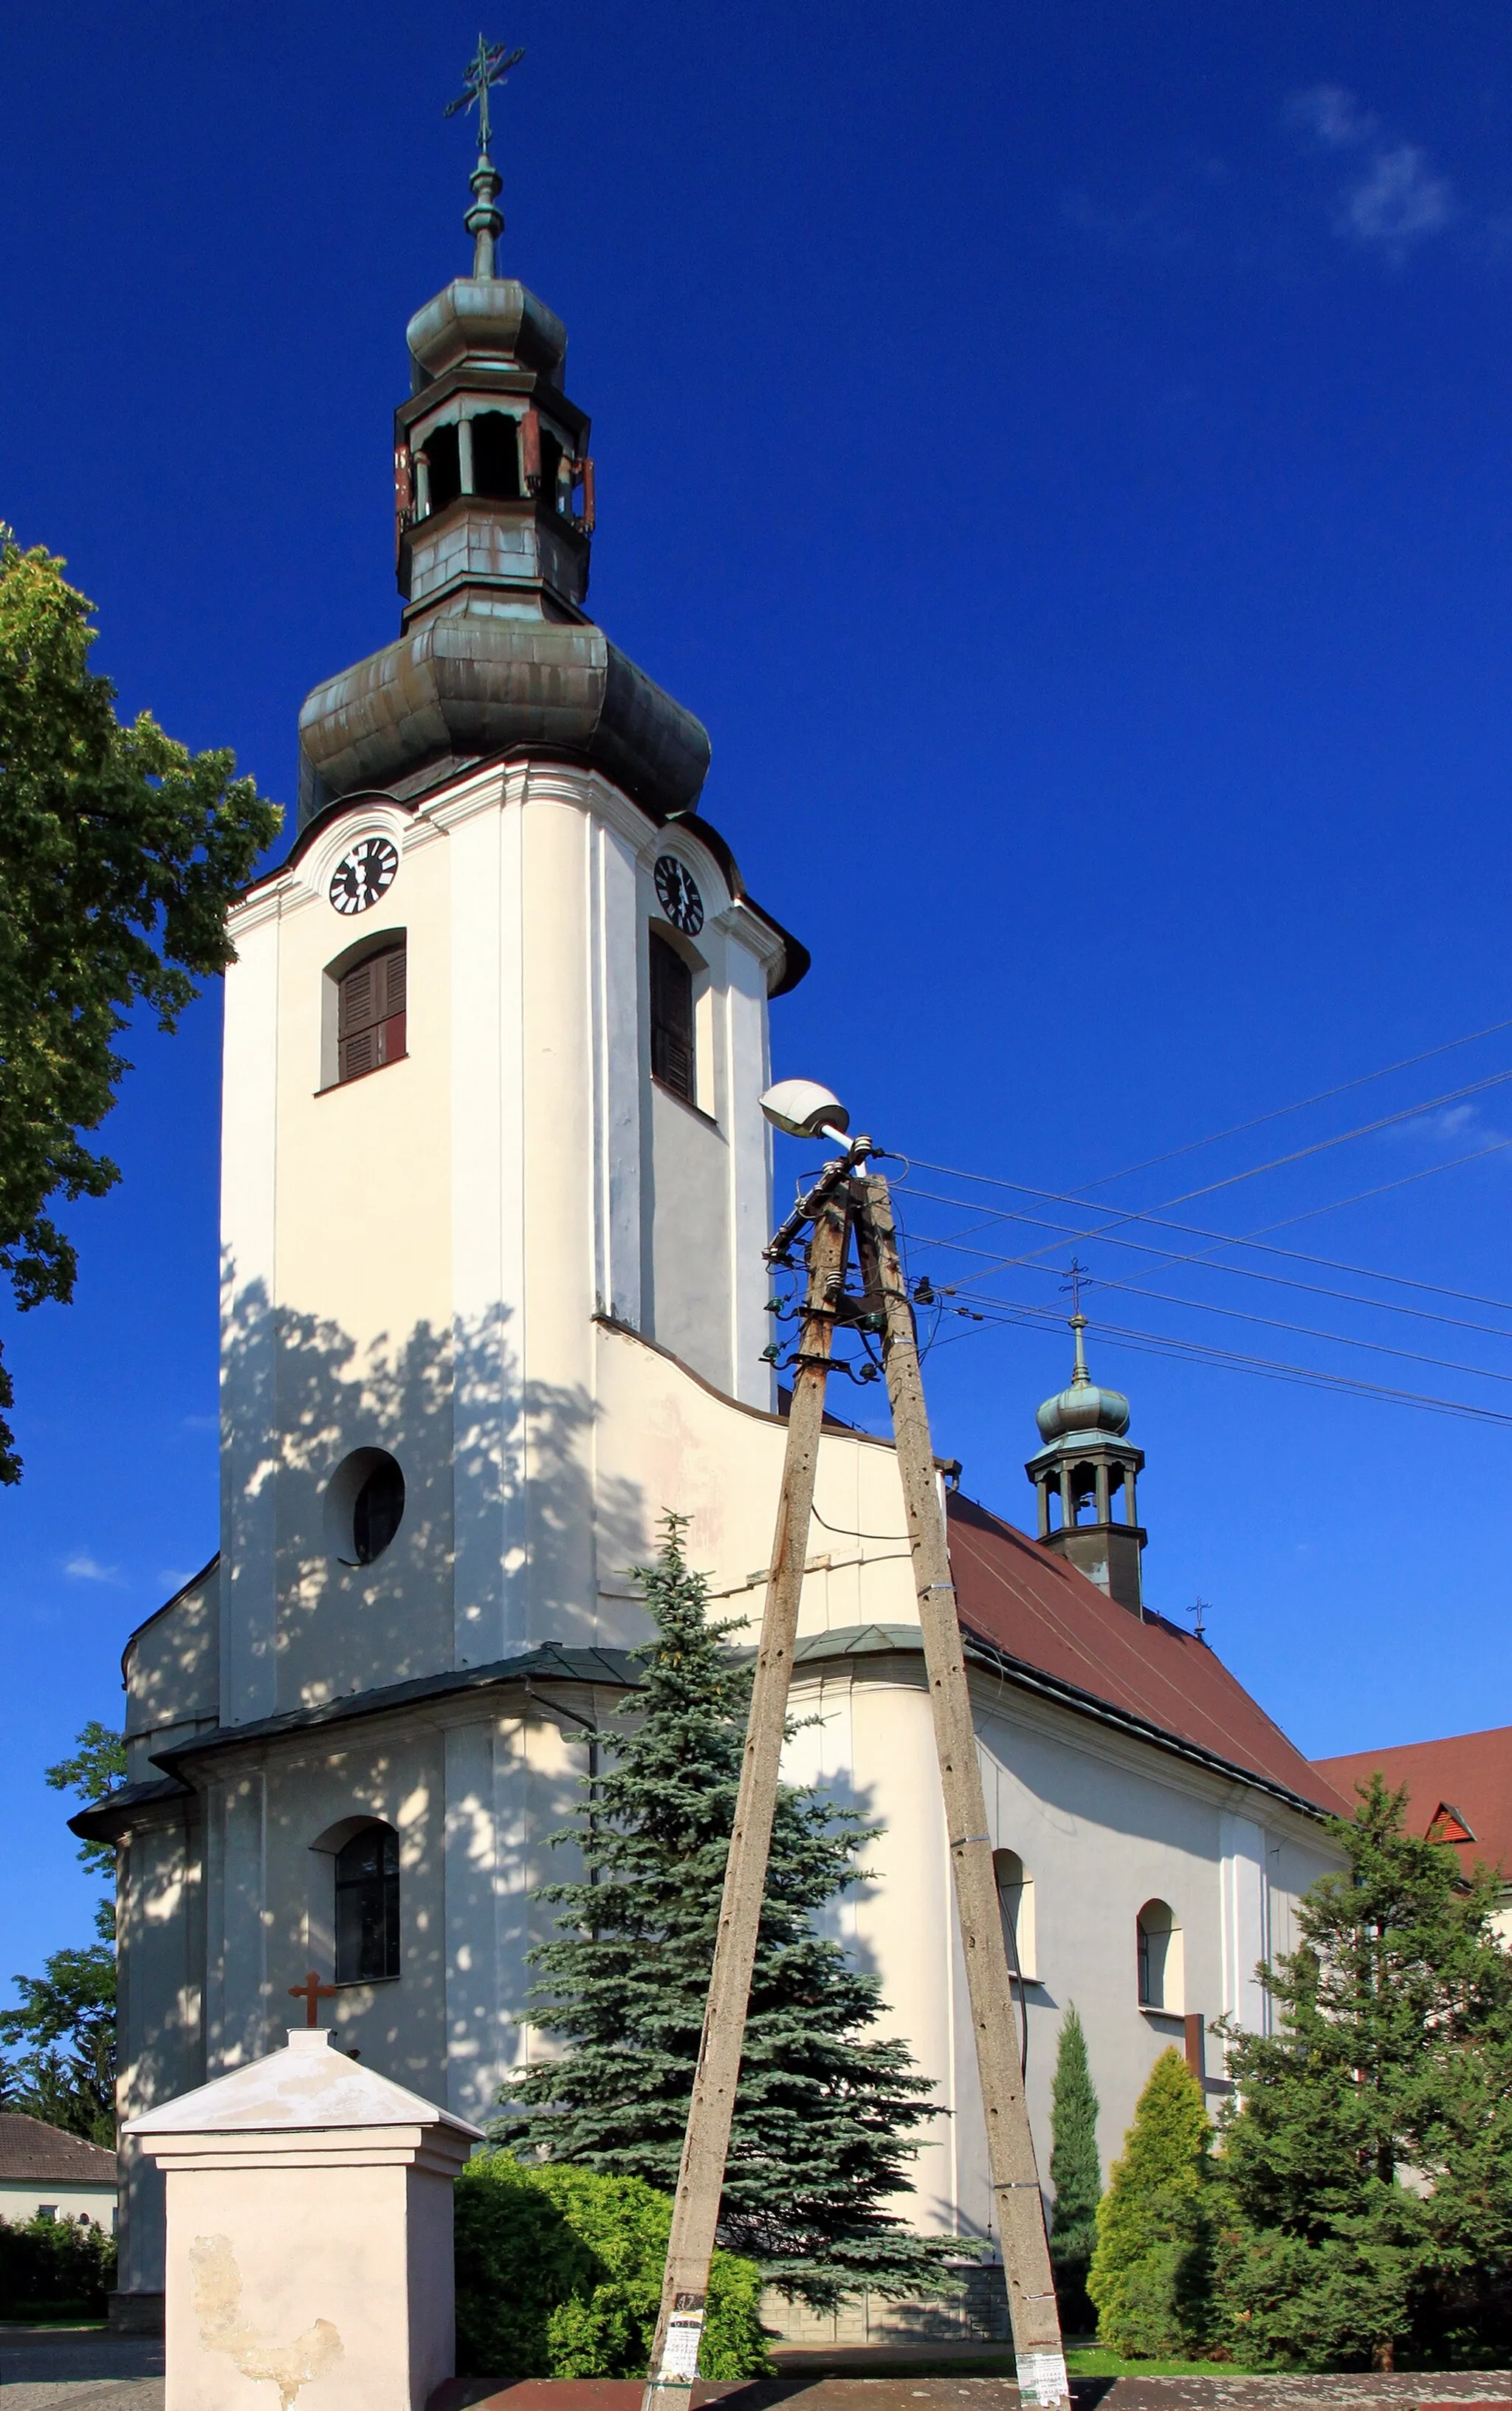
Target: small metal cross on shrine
<point x="309" y="1992"/>
<point x="490" y="65"/>
<point x="1077" y="1273"/>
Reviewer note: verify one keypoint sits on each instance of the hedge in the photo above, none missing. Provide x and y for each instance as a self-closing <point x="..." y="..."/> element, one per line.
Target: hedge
<point x="559" y="2274"/>
<point x="54" y="2264"/>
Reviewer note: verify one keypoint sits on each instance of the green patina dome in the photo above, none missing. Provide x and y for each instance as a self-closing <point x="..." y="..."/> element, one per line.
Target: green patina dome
<point x="1083" y="1407"/>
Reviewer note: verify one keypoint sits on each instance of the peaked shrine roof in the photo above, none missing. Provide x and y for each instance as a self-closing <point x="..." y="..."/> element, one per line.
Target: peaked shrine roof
<point x="1041" y="1617"/>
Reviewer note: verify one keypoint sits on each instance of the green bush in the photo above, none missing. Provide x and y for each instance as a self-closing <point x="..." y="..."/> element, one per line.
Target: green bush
<point x="53" y="2264"/>
<point x="1151" y="2271"/>
<point x="559" y="2274"/>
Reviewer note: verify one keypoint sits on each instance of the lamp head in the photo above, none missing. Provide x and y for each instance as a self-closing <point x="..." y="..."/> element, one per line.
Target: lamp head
<point x="806" y="1110"/>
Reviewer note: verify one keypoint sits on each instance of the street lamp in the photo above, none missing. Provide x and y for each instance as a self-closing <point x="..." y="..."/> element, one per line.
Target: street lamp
<point x="805" y="1109"/>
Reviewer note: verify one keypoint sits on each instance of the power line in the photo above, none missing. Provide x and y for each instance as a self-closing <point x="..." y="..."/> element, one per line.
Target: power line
<point x="1161" y="1343"/>
<point x="1303" y="1330"/>
<point x="1320" y="1146"/>
<point x="1309" y="1331"/>
<point x="1238" y="1272"/>
<point x="1253" y="1239"/>
<point x="1278" y="1113"/>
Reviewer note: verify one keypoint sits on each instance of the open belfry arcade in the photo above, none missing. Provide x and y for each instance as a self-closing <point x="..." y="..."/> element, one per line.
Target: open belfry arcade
<point x="495" y="1189"/>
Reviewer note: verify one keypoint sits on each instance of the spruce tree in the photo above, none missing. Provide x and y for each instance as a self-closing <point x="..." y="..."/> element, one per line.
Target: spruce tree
<point x="1149" y="2270"/>
<point x="1075" y="2172"/>
<point x="824" y="2111"/>
<point x="1366" y="2182"/>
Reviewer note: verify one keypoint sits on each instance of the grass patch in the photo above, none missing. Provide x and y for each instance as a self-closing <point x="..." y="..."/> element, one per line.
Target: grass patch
<point x="1087" y="2362"/>
<point x="1094" y="2362"/>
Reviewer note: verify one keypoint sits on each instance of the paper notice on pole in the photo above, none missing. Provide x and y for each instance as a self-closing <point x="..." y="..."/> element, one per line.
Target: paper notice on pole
<point x="1042" y="2377"/>
<point x="679" y="2348"/>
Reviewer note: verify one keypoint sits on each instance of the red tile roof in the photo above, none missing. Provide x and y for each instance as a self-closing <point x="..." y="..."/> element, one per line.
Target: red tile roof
<point x="1469" y="1776"/>
<point x="31" y="2152"/>
<point x="1040" y="1612"/>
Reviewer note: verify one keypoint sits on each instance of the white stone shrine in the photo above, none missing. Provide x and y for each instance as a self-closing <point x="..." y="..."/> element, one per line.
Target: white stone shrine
<point x="308" y="2234"/>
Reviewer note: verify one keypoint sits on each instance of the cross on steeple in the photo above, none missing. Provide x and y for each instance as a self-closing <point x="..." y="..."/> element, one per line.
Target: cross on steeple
<point x="309" y="1992"/>
<point x="1076" y="1275"/>
<point x="490" y="65"/>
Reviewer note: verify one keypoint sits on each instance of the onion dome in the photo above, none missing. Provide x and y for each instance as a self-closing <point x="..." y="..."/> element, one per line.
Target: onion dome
<point x="1083" y="1407"/>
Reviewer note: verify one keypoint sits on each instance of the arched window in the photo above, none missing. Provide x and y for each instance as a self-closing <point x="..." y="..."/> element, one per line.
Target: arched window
<point x="367" y="1906"/>
<point x="496" y="469"/>
<point x="370" y="1016"/>
<point x="1015" y="1900"/>
<point x="445" y="480"/>
<point x="672" y="1020"/>
<point x="1158" y="1945"/>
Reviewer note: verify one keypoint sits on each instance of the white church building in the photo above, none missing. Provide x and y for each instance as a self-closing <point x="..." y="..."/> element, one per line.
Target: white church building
<point x="495" y="1190"/>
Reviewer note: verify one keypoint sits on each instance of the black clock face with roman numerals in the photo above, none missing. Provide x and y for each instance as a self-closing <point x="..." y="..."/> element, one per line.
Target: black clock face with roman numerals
<point x="363" y="875"/>
<point x="678" y="894"/>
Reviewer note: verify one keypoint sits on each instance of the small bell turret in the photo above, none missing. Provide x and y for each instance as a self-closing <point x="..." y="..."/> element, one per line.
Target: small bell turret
<point x="1086" y="1463"/>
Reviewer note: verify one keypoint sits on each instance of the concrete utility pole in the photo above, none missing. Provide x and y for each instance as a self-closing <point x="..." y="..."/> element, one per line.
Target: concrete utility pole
<point x="838" y="1200"/>
<point x="696" y="2211"/>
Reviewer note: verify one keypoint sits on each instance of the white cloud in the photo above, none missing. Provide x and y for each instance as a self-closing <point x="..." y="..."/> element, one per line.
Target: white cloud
<point x="1396" y="198"/>
<point x="1330" y="116"/>
<point x="1398" y="201"/>
<point x="199" y="1423"/>
<point x="87" y="1569"/>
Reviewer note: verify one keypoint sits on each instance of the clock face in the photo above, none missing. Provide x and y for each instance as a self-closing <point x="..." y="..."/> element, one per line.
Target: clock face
<point x="679" y="897"/>
<point x="363" y="875"/>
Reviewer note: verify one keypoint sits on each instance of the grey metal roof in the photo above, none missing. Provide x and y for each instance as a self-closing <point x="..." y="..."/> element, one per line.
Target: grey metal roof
<point x="618" y="1668"/>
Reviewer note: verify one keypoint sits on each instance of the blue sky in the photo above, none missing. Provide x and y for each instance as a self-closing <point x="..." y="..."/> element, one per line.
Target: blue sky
<point x="1066" y="459"/>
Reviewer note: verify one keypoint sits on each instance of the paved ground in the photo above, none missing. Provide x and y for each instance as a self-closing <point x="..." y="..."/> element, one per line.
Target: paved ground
<point x="905" y="2392"/>
<point x="72" y="2369"/>
<point x="51" y="2369"/>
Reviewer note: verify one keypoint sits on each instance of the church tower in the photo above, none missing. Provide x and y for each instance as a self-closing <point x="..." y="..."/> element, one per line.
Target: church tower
<point x="495" y="1039"/>
<point x="1085" y="1463"/>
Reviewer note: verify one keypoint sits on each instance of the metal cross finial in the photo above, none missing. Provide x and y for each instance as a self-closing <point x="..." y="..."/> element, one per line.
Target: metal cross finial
<point x="309" y="1992"/>
<point x="490" y="65"/>
<point x="1077" y="1273"/>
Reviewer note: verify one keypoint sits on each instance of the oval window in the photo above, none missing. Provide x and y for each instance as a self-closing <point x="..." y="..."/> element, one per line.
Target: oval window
<point x="364" y="1506"/>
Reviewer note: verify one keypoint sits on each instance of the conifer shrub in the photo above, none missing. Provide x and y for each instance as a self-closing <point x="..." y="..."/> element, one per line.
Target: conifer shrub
<point x="55" y="2265"/>
<point x="1364" y="2194"/>
<point x="825" y="2109"/>
<point x="559" y="2274"/>
<point x="1076" y="2175"/>
<point x="1150" y="2271"/>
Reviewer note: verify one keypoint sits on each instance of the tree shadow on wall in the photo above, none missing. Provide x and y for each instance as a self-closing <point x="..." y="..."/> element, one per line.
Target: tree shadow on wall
<point x="501" y="1535"/>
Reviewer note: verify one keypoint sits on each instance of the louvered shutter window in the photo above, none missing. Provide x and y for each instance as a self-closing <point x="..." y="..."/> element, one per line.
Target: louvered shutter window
<point x="370" y="1016"/>
<point x="672" y="1020"/>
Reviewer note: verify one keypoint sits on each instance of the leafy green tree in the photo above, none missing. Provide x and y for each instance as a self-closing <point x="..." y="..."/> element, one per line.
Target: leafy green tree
<point x="119" y="853"/>
<point x="559" y="2274"/>
<point x="1075" y="2173"/>
<point x="1366" y="2181"/>
<point x="65" y="2074"/>
<point x="1149" y="2270"/>
<point x="824" y="2111"/>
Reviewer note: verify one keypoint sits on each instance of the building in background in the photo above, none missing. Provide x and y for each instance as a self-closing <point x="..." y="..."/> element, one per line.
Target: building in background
<point x="45" y="2174"/>
<point x="1460" y="1791"/>
<point x="495" y="1191"/>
